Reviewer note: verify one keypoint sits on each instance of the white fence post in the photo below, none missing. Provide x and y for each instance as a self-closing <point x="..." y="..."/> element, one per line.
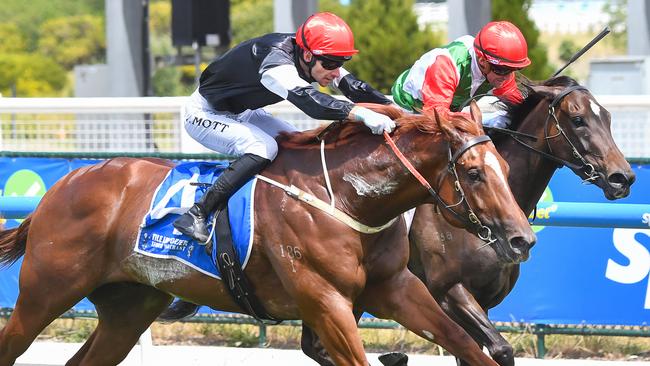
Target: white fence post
<point x="146" y="345"/>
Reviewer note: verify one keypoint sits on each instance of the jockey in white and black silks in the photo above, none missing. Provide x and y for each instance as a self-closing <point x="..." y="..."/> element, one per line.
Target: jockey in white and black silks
<point x="469" y="66"/>
<point x="225" y="113"/>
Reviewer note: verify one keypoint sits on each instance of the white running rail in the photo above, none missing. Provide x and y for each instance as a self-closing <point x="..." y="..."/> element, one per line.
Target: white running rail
<point x="153" y="124"/>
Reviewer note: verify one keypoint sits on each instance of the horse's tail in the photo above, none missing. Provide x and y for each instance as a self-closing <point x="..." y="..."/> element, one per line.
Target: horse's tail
<point x="178" y="310"/>
<point x="13" y="243"/>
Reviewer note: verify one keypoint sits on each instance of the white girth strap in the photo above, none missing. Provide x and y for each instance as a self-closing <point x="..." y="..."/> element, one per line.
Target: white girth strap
<point x="296" y="192"/>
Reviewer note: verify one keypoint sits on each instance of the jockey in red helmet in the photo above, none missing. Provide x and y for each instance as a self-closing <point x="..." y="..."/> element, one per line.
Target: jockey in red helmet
<point x="226" y="115"/>
<point x="325" y="37"/>
<point x="502" y="44"/>
<point x="469" y="66"/>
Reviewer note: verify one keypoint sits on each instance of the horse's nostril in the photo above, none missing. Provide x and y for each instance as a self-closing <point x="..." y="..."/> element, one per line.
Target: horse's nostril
<point x="619" y="180"/>
<point x="521" y="244"/>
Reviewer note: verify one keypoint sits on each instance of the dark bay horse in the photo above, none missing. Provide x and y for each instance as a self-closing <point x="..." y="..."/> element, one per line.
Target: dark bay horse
<point x="79" y="241"/>
<point x="467" y="281"/>
<point x="467" y="285"/>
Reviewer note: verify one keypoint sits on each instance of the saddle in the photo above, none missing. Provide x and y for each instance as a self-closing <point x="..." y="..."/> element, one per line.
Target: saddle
<point x="157" y="238"/>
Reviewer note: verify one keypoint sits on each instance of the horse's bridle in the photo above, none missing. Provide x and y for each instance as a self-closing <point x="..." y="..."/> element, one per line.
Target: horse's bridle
<point x="483" y="232"/>
<point x="589" y="170"/>
<point x="471" y="220"/>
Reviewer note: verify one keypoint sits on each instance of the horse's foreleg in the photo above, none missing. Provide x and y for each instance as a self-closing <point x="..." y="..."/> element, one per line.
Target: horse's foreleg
<point x="462" y="307"/>
<point x="405" y="299"/>
<point x="125" y="311"/>
<point x="325" y="310"/>
<point x="312" y="346"/>
<point x="335" y="325"/>
<point x="76" y="359"/>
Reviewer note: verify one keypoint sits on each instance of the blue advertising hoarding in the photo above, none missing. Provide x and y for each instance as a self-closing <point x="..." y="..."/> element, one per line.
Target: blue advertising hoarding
<point x="29" y="177"/>
<point x="574" y="275"/>
<point x="584" y="275"/>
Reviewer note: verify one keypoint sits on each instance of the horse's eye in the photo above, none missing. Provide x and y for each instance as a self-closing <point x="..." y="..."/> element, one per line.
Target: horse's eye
<point x="474" y="175"/>
<point x="578" y="121"/>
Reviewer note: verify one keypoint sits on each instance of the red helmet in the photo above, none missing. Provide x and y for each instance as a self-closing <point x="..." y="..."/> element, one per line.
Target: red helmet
<point x="326" y="34"/>
<point x="501" y="43"/>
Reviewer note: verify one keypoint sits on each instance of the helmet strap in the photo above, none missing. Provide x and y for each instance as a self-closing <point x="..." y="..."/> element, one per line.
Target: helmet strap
<point x="310" y="64"/>
<point x="483" y="64"/>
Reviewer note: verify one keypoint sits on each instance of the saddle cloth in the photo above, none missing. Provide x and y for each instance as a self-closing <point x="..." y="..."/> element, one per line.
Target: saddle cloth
<point x="173" y="197"/>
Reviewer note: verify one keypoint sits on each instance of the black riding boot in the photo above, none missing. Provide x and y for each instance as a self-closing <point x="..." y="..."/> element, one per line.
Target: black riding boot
<point x="192" y="222"/>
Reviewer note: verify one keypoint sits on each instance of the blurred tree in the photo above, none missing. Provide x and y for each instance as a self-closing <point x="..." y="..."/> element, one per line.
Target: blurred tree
<point x="165" y="82"/>
<point x="617" y="11"/>
<point x="175" y="80"/>
<point x="249" y="19"/>
<point x="160" y="17"/>
<point x="29" y="15"/>
<point x="73" y="40"/>
<point x="333" y="6"/>
<point x="516" y="12"/>
<point x="13" y="40"/>
<point x="388" y="38"/>
<point x="33" y="75"/>
<point x="160" y="28"/>
<point x="253" y="18"/>
<point x="567" y="49"/>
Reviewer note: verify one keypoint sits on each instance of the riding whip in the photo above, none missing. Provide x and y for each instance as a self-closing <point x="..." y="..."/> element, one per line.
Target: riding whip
<point x="584" y="49"/>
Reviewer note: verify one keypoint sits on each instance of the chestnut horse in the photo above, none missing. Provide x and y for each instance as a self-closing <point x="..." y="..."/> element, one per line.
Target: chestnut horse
<point x="79" y="241"/>
<point x="466" y="281"/>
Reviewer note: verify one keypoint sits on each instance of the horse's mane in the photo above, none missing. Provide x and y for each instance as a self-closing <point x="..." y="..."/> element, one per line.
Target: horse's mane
<point x="518" y="112"/>
<point x="425" y="122"/>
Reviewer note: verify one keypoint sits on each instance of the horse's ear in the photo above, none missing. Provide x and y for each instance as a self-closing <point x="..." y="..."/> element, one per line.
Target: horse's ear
<point x="475" y="112"/>
<point x="547" y="91"/>
<point x="446" y="126"/>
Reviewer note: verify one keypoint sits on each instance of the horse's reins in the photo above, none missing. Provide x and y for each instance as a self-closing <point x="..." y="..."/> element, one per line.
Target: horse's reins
<point x="472" y="221"/>
<point x="589" y="169"/>
<point x="316" y="202"/>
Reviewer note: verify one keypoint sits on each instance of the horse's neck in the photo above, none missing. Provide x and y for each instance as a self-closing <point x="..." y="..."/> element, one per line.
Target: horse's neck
<point x="530" y="173"/>
<point x="368" y="180"/>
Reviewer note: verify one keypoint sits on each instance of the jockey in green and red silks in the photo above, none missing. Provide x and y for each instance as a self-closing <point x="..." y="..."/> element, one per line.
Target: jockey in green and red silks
<point x="445" y="77"/>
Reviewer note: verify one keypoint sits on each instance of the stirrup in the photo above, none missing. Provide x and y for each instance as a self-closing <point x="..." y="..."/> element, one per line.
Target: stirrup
<point x="194" y="226"/>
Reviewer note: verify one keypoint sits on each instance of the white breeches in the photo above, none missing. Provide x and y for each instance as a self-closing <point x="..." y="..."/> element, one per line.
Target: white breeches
<point x="249" y="132"/>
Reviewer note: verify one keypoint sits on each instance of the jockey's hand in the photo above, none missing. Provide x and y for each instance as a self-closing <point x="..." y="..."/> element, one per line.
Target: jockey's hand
<point x="498" y="119"/>
<point x="376" y="122"/>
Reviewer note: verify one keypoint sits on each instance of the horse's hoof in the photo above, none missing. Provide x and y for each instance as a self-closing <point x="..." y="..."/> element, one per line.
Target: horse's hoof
<point x="394" y="359"/>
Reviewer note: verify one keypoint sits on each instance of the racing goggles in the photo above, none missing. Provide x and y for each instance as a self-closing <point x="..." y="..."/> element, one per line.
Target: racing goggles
<point x="332" y="62"/>
<point x="501" y="70"/>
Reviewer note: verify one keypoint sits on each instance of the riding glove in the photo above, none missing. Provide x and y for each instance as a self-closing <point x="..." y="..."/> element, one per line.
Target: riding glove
<point x="376" y="122"/>
<point x="496" y="119"/>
